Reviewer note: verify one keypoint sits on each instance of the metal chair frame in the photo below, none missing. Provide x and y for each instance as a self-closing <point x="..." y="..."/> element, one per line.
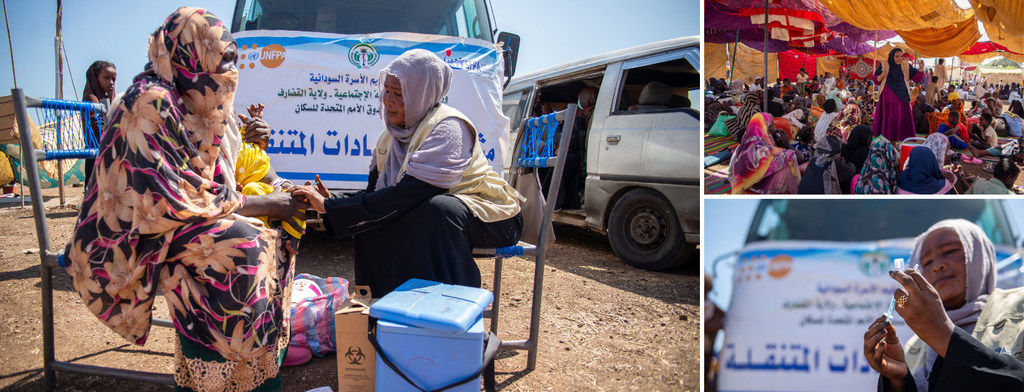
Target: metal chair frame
<point x="51" y="260"/>
<point x="534" y="159"/>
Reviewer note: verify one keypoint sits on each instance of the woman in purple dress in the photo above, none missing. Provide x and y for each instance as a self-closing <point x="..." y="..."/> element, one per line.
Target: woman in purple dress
<point x="893" y="118"/>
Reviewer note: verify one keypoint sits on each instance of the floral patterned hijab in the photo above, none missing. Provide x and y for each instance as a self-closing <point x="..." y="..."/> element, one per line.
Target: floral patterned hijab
<point x="758" y="166"/>
<point x="161" y="216"/>
<point x="878" y="176"/>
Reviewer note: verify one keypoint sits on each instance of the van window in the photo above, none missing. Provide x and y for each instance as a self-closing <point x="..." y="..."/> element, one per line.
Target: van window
<point x="513" y="104"/>
<point x="871" y="220"/>
<point x="662" y="82"/>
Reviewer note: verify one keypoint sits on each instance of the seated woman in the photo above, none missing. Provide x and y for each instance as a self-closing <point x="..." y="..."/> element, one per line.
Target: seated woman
<point x="827" y="172"/>
<point x="965" y="328"/>
<point x="166" y="215"/>
<point x="432" y="196"/>
<point x="922" y="175"/>
<point x="857" y="146"/>
<point x="1014" y="119"/>
<point x="758" y="166"/>
<point x="879" y="174"/>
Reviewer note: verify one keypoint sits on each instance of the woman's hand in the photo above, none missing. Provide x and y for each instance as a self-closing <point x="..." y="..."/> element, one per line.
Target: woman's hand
<point x="278" y="205"/>
<point x="923" y="310"/>
<point x="256" y="130"/>
<point x="313" y="197"/>
<point x="884" y="352"/>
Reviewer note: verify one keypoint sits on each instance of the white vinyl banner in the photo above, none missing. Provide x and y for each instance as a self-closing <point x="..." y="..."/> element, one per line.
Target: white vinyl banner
<point x="799" y="311"/>
<point x="322" y="99"/>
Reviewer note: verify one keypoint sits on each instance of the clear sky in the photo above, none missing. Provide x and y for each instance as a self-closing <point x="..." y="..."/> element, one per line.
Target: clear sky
<point x="553" y="32"/>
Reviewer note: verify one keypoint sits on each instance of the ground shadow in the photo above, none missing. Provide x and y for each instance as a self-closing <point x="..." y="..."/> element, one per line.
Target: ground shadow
<point x="616" y="273"/>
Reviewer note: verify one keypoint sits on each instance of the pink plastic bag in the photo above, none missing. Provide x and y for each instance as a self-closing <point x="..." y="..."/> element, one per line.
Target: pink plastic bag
<point x="314" y="301"/>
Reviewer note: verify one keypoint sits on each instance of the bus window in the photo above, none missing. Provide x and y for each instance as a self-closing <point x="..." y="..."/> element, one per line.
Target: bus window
<point x="459" y="18"/>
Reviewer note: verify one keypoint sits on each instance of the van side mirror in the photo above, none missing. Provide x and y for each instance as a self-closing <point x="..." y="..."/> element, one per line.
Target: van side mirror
<point x="510" y="53"/>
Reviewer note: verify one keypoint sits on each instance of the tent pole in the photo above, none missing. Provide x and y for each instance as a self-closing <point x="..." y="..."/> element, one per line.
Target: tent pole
<point x="732" y="64"/>
<point x="764" y="103"/>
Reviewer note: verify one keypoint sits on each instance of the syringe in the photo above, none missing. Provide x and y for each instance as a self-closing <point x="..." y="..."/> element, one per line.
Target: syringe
<point x="898" y="263"/>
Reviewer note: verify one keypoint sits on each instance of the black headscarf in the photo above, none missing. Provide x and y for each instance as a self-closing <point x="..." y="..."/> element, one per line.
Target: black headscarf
<point x="857" y="146"/>
<point x="92" y="81"/>
<point x="895" y="80"/>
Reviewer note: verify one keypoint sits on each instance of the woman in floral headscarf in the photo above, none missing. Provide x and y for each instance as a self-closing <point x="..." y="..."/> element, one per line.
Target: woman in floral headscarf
<point x="164" y="214"/>
<point x="758" y="166"/>
<point x="878" y="176"/>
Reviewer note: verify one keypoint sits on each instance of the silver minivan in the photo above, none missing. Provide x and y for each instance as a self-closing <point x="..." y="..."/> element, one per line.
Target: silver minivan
<point x="640" y="184"/>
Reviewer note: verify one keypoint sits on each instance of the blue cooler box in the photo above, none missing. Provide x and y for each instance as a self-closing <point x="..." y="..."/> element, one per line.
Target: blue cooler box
<point x="432" y="359"/>
<point x="433" y="332"/>
<point x="432" y="305"/>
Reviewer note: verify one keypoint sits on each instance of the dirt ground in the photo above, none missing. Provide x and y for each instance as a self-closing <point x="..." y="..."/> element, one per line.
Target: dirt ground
<point x="605" y="325"/>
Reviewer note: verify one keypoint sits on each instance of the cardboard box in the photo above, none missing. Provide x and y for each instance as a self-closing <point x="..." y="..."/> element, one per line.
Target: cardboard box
<point x="356" y="357"/>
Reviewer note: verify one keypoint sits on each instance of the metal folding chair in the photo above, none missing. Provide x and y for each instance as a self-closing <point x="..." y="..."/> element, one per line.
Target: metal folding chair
<point x="67" y="128"/>
<point x="536" y="150"/>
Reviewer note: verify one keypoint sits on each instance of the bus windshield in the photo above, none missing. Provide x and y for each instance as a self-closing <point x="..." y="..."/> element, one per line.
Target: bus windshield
<point x="458" y="18"/>
<point x="870" y="220"/>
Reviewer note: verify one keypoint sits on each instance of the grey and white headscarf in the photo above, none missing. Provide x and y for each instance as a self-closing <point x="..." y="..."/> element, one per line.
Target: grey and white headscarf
<point x="980" y="268"/>
<point x="425" y="80"/>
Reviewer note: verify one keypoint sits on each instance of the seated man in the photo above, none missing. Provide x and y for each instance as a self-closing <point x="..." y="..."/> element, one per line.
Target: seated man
<point x="788" y="92"/>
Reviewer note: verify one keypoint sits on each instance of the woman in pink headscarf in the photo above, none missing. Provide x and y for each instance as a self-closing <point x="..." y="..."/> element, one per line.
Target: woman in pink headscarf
<point x="758" y="166"/>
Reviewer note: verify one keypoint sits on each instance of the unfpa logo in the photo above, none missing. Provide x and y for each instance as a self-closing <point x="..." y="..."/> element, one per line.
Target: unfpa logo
<point x="270" y="56"/>
<point x="363" y="55"/>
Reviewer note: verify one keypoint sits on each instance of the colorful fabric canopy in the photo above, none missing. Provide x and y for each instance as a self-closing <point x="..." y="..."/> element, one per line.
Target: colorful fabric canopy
<point x="996" y="34"/>
<point x="897" y="14"/>
<point x="1007" y="15"/>
<point x="943" y="41"/>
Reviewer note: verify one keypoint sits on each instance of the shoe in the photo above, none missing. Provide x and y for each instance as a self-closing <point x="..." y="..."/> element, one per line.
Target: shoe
<point x="969" y="159"/>
<point x="297" y="356"/>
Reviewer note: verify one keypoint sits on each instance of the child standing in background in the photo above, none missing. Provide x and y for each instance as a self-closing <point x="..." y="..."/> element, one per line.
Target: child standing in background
<point x="99" y="88"/>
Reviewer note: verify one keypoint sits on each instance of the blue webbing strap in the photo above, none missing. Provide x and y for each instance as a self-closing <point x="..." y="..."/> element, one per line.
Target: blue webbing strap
<point x="509" y="251"/>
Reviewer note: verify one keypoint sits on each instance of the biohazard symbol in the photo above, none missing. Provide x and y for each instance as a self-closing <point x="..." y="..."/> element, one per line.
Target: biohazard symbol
<point x="354" y="355"/>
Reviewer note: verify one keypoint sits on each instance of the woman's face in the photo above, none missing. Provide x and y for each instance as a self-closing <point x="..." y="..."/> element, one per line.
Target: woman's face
<point x="898" y="58"/>
<point x="394" y="104"/>
<point x="227" y="62"/>
<point x="944" y="265"/>
<point x="107" y="77"/>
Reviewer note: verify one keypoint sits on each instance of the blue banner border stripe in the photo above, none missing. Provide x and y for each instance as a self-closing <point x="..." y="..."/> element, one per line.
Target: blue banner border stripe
<point x="300" y="176"/>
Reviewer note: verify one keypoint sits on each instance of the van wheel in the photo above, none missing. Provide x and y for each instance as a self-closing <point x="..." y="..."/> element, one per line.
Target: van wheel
<point x="645" y="233"/>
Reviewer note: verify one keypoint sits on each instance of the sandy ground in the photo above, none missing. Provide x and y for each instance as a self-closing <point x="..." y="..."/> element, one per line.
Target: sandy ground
<point x="605" y="325"/>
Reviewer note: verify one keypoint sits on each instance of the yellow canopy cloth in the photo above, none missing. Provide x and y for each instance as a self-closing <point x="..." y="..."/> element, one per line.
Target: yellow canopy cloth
<point x="715" y="58"/>
<point x="1002" y="37"/>
<point x="897" y="14"/>
<point x="750" y="64"/>
<point x="1007" y="15"/>
<point x="828" y="64"/>
<point x="943" y="41"/>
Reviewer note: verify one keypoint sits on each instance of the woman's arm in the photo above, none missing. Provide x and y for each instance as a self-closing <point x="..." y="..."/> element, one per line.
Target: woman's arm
<point x="350" y="215"/>
<point x="970" y="365"/>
